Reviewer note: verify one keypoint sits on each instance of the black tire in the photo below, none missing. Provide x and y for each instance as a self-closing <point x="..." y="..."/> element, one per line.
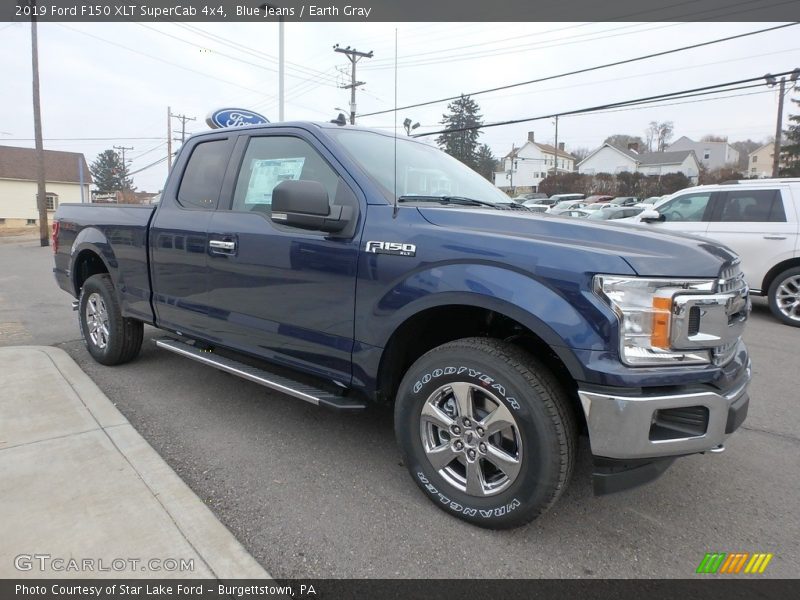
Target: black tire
<point x="775" y="302"/>
<point x="123" y="339"/>
<point x="544" y="418"/>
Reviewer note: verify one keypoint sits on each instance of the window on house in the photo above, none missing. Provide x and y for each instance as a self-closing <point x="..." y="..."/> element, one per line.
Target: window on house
<point x="706" y="154"/>
<point x="2" y="221"/>
<point x="755" y="159"/>
<point x="31" y="222"/>
<point x="51" y="201"/>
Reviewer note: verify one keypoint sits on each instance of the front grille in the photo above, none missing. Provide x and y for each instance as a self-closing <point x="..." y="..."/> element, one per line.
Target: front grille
<point x="673" y="423"/>
<point x="731" y="279"/>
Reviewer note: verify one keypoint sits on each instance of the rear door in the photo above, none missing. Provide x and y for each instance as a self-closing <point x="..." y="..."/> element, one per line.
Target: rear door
<point x="179" y="235"/>
<point x="279" y="292"/>
<point x="760" y="225"/>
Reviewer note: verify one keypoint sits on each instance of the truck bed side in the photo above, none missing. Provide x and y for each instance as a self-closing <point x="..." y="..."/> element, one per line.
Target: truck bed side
<point x="112" y="238"/>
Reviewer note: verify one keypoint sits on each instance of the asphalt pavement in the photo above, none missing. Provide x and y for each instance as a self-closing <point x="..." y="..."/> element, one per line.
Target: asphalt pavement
<point x="312" y="493"/>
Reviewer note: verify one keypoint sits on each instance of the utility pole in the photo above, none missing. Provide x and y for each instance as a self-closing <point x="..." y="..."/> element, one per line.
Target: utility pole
<point x="183" y="119"/>
<point x="122" y="149"/>
<point x="169" y="138"/>
<point x="776" y="156"/>
<point x="353" y="56"/>
<point x="41" y="185"/>
<point x="555" y="157"/>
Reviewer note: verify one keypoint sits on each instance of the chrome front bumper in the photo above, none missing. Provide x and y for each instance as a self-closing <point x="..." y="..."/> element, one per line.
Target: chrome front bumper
<point x="620" y="426"/>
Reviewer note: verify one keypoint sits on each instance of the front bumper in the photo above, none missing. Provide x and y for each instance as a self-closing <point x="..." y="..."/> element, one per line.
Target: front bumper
<point x="625" y="426"/>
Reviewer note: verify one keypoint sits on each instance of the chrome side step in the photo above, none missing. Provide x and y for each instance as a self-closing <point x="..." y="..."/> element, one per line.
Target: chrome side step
<point x="276" y="382"/>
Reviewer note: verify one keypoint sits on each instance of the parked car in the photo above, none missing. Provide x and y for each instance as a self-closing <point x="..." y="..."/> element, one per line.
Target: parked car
<point x="598" y="198"/>
<point x="540" y="202"/>
<point x="758" y="219"/>
<point x="565" y="205"/>
<point x="624" y="201"/>
<point x="289" y="255"/>
<point x="612" y="213"/>
<point x="530" y="196"/>
<point x="539" y="208"/>
<point x="575" y="213"/>
<point x="595" y="206"/>
<point x="562" y="197"/>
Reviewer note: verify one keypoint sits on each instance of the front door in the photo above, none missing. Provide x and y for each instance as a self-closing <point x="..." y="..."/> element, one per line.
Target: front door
<point x="687" y="213"/>
<point x="279" y="292"/>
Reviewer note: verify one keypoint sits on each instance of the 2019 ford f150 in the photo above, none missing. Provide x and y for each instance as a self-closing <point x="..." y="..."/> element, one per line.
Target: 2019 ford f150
<point x="345" y="266"/>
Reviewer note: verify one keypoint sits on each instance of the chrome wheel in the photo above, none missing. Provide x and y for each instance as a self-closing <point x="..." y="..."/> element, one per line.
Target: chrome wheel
<point x="787" y="297"/>
<point x="471" y="439"/>
<point x="97" y="320"/>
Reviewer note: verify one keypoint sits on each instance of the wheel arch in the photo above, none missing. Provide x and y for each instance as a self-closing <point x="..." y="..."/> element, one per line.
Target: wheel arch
<point x="789" y="263"/>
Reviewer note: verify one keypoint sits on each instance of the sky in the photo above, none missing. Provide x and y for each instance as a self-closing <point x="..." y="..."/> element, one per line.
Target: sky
<point x="116" y="80"/>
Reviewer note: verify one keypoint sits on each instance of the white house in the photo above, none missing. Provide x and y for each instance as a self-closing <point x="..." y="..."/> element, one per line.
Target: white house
<point x="714" y="155"/>
<point x="610" y="159"/>
<point x="64" y="172"/>
<point x="526" y="166"/>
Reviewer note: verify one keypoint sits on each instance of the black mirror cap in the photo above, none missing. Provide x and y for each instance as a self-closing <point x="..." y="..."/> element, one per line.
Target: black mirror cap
<point x="304" y="204"/>
<point x="300" y="196"/>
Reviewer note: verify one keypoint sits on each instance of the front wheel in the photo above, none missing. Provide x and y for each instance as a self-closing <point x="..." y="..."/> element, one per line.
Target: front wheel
<point x="486" y="432"/>
<point x="110" y="338"/>
<point x="784" y="297"/>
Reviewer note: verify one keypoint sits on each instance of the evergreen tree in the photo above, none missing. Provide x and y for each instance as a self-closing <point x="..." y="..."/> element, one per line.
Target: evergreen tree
<point x="790" y="148"/>
<point x="486" y="162"/>
<point x="109" y="174"/>
<point x="462" y="145"/>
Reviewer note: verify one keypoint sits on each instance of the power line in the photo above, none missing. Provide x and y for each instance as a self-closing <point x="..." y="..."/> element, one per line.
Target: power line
<point x="87" y="139"/>
<point x="585" y="70"/>
<point x="637" y="101"/>
<point x="152" y="164"/>
<point x="159" y="59"/>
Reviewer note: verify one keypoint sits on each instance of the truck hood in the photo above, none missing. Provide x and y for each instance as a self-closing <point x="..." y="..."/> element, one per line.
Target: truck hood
<point x="649" y="252"/>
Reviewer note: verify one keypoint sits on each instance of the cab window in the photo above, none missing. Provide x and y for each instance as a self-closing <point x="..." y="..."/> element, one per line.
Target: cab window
<point x="688" y="207"/>
<point x="752" y="206"/>
<point x="202" y="179"/>
<point x="271" y="160"/>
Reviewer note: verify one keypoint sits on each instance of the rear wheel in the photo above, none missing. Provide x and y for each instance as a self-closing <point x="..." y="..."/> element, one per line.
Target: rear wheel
<point x="784" y="296"/>
<point x="110" y="338"/>
<point x="486" y="431"/>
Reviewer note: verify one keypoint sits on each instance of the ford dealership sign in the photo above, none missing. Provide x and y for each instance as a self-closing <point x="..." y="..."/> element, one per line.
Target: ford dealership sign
<point x="234" y="117"/>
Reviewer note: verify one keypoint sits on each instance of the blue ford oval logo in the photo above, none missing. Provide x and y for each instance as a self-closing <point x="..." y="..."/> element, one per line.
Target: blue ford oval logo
<point x="234" y="117"/>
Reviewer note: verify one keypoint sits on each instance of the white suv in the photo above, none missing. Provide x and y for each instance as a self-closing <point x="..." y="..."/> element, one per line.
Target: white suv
<point x="757" y="218"/>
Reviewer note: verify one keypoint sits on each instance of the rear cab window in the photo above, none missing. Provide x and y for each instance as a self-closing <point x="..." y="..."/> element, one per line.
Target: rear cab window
<point x="202" y="179"/>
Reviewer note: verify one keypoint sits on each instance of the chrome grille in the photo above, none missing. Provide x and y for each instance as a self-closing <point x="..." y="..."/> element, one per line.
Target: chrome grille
<point x="731" y="279"/>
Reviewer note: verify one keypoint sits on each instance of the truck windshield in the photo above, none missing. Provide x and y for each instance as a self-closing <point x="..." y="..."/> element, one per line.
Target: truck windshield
<point x="422" y="170"/>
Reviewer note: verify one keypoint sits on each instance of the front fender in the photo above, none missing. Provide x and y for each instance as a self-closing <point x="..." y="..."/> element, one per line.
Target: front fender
<point x="565" y="315"/>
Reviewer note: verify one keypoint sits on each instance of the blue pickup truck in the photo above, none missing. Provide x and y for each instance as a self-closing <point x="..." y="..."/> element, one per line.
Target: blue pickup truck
<point x="344" y="266"/>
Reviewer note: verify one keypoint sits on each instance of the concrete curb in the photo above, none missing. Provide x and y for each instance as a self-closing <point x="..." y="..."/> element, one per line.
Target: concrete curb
<point x="175" y="502"/>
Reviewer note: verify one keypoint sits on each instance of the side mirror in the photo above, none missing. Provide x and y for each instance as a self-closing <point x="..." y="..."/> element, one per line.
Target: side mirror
<point x="304" y="204"/>
<point x="650" y="215"/>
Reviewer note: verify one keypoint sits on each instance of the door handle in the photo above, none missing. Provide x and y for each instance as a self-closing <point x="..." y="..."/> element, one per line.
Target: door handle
<point x="222" y="245"/>
<point x="774" y="237"/>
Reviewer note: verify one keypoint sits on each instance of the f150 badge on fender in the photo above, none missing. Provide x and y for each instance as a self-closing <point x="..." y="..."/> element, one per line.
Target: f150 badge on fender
<point x="397" y="248"/>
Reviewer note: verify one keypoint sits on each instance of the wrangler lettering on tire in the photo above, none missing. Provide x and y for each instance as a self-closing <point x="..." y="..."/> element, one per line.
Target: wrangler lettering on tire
<point x="486" y="431"/>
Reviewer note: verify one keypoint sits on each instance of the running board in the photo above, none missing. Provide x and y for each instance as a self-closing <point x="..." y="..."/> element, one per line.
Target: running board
<point x="276" y="382"/>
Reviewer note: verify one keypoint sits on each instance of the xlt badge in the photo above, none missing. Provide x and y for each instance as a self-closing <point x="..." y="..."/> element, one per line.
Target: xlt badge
<point x="397" y="248"/>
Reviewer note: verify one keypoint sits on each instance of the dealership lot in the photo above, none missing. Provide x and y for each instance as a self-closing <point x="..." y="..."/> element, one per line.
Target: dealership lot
<point x="312" y="493"/>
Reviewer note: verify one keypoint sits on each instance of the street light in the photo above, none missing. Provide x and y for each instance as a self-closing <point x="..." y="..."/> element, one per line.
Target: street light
<point x="264" y="7"/>
<point x="407" y="124"/>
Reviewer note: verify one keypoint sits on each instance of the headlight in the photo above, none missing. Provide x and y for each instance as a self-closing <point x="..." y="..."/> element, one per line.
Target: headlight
<point x="644" y="309"/>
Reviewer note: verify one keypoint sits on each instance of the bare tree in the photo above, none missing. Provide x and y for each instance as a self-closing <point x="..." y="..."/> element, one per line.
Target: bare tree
<point x="665" y="131"/>
<point x="651" y="134"/>
<point x="714" y="138"/>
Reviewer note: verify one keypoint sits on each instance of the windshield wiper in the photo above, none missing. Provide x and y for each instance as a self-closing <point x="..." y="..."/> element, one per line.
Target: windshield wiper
<point x="459" y="200"/>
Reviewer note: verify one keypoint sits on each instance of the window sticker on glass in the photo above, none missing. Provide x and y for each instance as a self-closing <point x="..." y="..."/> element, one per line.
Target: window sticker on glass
<point x="266" y="174"/>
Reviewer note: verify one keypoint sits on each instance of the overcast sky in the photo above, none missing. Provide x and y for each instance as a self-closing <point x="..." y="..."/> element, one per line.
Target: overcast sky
<point x="115" y="80"/>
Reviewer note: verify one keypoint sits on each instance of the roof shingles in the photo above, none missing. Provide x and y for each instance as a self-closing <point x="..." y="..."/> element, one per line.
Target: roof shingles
<point x="62" y="167"/>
